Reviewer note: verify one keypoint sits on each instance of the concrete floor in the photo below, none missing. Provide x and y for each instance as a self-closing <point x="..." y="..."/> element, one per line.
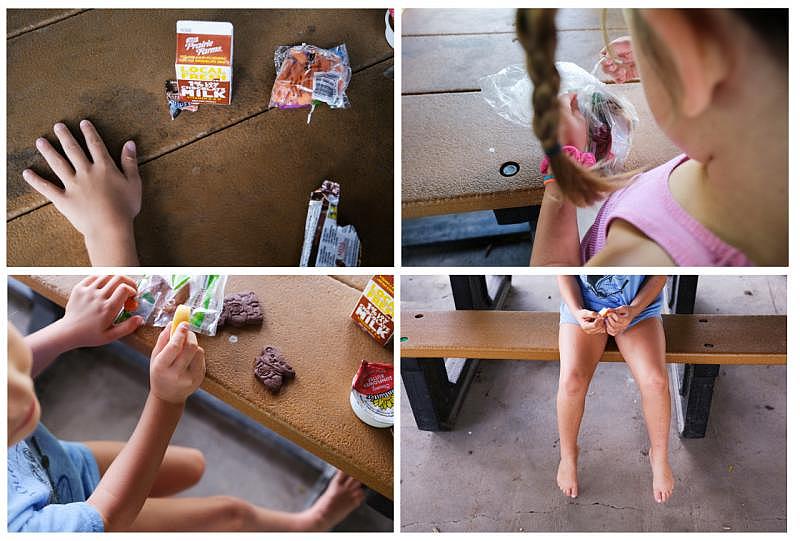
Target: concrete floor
<point x="496" y="470"/>
<point x="96" y="393"/>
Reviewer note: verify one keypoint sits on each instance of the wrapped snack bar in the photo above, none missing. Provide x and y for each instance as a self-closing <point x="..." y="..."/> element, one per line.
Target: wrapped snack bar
<point x="159" y="296"/>
<point x="610" y="119"/>
<point x="325" y="243"/>
<point x="307" y="75"/>
<point x="374" y="311"/>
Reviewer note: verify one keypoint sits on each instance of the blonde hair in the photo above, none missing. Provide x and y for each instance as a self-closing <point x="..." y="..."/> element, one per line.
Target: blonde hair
<point x="536" y="30"/>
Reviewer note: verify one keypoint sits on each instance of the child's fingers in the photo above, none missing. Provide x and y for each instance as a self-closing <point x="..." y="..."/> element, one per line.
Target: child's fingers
<point x="60" y="166"/>
<point x="197" y="367"/>
<point x="188" y="352"/>
<point x="174" y="346"/>
<point x="162" y="340"/>
<point x="128" y="161"/>
<point x="103" y="280"/>
<point x="125" y="328"/>
<point x="89" y="280"/>
<point x="115" y="282"/>
<point x="120" y="295"/>
<point x="49" y="190"/>
<point x="71" y="147"/>
<point x="97" y="148"/>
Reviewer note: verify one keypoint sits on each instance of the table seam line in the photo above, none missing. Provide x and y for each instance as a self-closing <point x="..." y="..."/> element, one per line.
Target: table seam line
<point x="46" y="24"/>
<point x="209" y="134"/>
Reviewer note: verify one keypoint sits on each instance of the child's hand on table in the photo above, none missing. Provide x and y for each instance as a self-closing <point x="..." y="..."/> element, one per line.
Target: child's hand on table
<point x="590" y="322"/>
<point x="98" y="198"/>
<point x="93" y="306"/>
<point x="177" y="366"/>
<point x="618" y="319"/>
<point x="623" y="52"/>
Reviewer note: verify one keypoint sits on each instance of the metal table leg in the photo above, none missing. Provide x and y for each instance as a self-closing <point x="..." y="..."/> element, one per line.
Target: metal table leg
<point x="435" y="393"/>
<point x="695" y="381"/>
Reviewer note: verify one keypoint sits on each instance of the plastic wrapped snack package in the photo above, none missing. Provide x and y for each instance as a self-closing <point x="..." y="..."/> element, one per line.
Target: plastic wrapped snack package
<point x="308" y="75"/>
<point x="158" y="296"/>
<point x="610" y="119"/>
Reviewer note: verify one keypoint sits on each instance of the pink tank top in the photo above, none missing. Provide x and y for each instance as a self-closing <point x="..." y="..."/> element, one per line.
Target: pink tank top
<point x="647" y="204"/>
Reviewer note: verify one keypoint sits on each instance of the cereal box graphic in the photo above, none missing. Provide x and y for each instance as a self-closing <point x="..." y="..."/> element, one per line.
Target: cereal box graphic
<point x="204" y="62"/>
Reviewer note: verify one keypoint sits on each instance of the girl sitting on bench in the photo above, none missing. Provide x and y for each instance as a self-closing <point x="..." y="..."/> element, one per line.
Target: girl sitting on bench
<point x="716" y="81"/>
<point x="629" y="309"/>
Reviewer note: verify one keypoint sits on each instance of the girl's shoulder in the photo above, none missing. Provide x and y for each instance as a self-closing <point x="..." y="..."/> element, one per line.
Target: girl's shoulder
<point x="627" y="245"/>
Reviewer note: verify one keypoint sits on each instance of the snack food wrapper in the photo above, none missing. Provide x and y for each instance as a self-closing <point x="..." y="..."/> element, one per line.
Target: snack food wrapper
<point x="610" y="119"/>
<point x="374" y="311"/>
<point x="176" y="106"/>
<point x="204" y="62"/>
<point x="325" y="243"/>
<point x="372" y="394"/>
<point x="308" y="75"/>
<point x="158" y="296"/>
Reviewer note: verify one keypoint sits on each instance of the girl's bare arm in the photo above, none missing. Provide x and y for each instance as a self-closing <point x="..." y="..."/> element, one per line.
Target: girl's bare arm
<point x="556" y="242"/>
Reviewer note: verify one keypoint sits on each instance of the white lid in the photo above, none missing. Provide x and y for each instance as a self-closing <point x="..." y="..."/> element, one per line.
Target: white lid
<point x="366" y="415"/>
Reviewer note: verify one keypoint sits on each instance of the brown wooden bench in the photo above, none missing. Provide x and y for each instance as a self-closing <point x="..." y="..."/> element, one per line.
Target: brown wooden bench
<point x="227" y="185"/>
<point x="428" y="337"/>
<point x="455" y="144"/>
<point x="308" y="318"/>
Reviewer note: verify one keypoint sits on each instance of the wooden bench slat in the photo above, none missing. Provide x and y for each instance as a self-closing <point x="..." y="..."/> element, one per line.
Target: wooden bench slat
<point x="470" y="57"/>
<point x="472" y="21"/>
<point x="455" y="144"/>
<point x="478" y="334"/>
<point x="308" y="319"/>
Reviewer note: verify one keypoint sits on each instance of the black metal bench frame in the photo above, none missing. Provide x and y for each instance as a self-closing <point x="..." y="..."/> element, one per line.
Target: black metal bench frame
<point x="436" y="400"/>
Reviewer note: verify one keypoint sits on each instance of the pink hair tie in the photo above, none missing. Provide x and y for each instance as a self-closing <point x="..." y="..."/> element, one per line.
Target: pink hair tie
<point x="584" y="159"/>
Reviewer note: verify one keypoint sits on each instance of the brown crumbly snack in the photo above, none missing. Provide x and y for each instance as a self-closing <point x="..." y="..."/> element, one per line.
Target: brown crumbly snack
<point x="240" y="309"/>
<point x="272" y="369"/>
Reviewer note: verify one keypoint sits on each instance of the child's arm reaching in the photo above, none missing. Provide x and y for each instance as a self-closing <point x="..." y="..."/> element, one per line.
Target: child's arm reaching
<point x="177" y="367"/>
<point x="98" y="198"/>
<point x="88" y="320"/>
<point x="556" y="242"/>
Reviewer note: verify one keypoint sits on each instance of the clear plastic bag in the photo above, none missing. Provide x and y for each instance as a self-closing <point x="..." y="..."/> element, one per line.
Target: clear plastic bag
<point x="308" y="75"/>
<point x="158" y="296"/>
<point x="610" y="119"/>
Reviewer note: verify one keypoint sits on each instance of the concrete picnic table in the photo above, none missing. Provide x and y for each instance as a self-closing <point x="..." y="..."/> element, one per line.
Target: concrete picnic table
<point x="227" y="185"/>
<point x="308" y="319"/>
<point x="454" y="143"/>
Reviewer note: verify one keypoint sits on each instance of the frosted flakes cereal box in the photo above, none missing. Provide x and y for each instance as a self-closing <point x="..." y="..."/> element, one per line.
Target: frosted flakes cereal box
<point x="204" y="62"/>
<point x="374" y="312"/>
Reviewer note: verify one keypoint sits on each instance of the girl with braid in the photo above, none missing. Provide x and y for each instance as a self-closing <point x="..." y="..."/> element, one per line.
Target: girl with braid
<point x="716" y="81"/>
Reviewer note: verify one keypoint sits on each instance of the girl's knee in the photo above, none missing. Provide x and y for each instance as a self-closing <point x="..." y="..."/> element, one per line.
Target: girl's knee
<point x="574" y="384"/>
<point x="234" y="513"/>
<point x="196" y="464"/>
<point x="655" y="383"/>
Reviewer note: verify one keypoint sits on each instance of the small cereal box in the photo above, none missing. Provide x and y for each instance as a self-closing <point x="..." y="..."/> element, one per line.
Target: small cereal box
<point x="375" y="309"/>
<point x="204" y="62"/>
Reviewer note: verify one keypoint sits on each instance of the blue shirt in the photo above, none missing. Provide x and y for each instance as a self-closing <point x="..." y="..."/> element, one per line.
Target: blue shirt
<point x="48" y="484"/>
<point x="612" y="291"/>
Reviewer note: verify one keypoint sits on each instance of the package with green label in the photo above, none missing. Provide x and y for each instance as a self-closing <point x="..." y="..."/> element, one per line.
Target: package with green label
<point x="158" y="296"/>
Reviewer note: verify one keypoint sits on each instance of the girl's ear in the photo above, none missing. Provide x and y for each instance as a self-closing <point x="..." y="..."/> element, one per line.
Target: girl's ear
<point x="697" y="54"/>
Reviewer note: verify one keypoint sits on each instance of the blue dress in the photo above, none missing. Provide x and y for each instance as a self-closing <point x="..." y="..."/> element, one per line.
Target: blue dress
<point x="611" y="291"/>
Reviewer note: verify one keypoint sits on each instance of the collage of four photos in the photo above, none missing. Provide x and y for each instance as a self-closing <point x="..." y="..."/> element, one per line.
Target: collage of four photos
<point x="325" y="163"/>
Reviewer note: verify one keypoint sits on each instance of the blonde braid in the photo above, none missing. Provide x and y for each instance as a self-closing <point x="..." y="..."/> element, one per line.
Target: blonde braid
<point x="536" y="30"/>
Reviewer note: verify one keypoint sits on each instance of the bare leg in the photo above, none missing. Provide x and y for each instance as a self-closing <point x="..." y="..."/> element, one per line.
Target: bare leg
<point x="579" y="353"/>
<point x="643" y="347"/>
<point x="229" y="514"/>
<point x="181" y="468"/>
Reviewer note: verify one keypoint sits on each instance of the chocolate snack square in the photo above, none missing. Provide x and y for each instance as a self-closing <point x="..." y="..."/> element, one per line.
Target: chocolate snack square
<point x="272" y="369"/>
<point x="240" y="309"/>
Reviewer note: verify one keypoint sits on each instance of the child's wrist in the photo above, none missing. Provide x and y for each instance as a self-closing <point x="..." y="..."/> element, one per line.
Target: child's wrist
<point x="167" y="404"/>
<point x="113" y="247"/>
<point x="62" y="336"/>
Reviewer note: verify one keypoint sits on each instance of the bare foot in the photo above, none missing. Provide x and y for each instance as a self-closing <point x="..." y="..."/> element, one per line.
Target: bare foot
<point x="567" y="476"/>
<point x="663" y="483"/>
<point x="343" y="495"/>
